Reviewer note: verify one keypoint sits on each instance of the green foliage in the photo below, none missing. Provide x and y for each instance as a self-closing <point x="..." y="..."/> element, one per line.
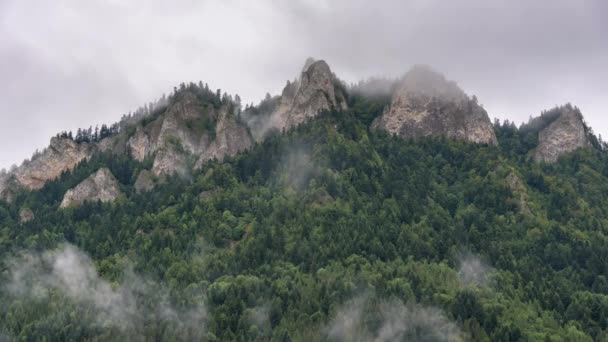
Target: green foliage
<point x="278" y="253"/>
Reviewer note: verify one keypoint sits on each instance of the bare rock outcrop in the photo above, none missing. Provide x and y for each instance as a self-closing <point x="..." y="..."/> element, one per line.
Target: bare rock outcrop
<point x="139" y="144"/>
<point x="100" y="186"/>
<point x="316" y="90"/>
<point x="63" y="154"/>
<point x="190" y="131"/>
<point x="426" y="104"/>
<point x="231" y="137"/>
<point x="566" y="134"/>
<point x="170" y="160"/>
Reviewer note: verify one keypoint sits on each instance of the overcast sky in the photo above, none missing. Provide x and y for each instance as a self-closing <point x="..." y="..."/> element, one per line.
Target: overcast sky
<point x="68" y="64"/>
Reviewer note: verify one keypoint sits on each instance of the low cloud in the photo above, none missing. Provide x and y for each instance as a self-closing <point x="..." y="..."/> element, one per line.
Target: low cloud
<point x="297" y="168"/>
<point x="367" y="319"/>
<point x="472" y="270"/>
<point x="128" y="306"/>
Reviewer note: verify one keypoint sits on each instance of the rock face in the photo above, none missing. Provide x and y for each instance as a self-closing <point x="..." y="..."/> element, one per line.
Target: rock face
<point x="426" y="104"/>
<point x="189" y="129"/>
<point x="100" y="186"/>
<point x="63" y="154"/>
<point x="231" y="137"/>
<point x="565" y="134"/>
<point x="139" y="144"/>
<point x="316" y="90"/>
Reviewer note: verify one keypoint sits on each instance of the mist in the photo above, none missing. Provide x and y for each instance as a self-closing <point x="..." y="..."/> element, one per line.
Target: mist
<point x="297" y="167"/>
<point x="366" y="318"/>
<point x="472" y="270"/>
<point x="127" y="306"/>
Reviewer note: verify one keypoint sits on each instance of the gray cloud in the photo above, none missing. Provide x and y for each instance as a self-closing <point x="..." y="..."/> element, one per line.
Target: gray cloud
<point x="68" y="64"/>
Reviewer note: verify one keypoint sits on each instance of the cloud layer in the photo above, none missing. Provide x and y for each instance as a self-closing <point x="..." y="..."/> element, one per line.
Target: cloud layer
<point x="68" y="64"/>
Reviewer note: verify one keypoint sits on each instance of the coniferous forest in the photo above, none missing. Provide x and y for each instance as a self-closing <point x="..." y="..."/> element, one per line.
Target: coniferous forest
<point x="325" y="232"/>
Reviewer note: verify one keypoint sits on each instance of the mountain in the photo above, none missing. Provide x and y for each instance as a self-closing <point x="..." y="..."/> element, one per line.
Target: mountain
<point x="63" y="154"/>
<point x="189" y="126"/>
<point x="316" y="90"/>
<point x="426" y="104"/>
<point x="388" y="210"/>
<point x="566" y="134"/>
<point x="194" y="126"/>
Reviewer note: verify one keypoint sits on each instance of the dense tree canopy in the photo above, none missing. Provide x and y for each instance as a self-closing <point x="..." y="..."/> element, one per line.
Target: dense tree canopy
<point x="323" y="225"/>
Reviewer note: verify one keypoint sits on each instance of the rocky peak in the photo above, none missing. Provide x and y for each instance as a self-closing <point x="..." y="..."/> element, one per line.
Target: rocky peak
<point x="63" y="154"/>
<point x="566" y="134"/>
<point x="231" y="137"/>
<point x="425" y="103"/>
<point x="316" y="90"/>
<point x="100" y="186"/>
<point x="195" y="127"/>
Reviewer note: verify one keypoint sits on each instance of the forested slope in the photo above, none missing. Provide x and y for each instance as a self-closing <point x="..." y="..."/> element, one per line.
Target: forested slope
<point x="328" y="231"/>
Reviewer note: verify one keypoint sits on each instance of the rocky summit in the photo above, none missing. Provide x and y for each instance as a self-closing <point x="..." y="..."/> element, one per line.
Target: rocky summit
<point x="61" y="155"/>
<point x="566" y="134"/>
<point x="316" y="90"/>
<point x="194" y="125"/>
<point x="100" y="186"/>
<point x="189" y="127"/>
<point x="426" y="104"/>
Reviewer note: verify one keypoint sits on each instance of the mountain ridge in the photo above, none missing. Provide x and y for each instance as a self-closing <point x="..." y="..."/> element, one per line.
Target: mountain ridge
<point x="196" y="123"/>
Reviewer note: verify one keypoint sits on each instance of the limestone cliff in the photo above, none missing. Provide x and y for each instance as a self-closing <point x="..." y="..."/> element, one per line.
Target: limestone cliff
<point x="63" y="154"/>
<point x="100" y="186"/>
<point x="139" y="144"/>
<point x="566" y="134"/>
<point x="231" y="137"/>
<point x="426" y="104"/>
<point x="316" y="90"/>
<point x="189" y="129"/>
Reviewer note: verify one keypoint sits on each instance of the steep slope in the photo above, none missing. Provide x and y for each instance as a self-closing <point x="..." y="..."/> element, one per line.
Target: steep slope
<point x="426" y="104"/>
<point x="63" y="154"/>
<point x="230" y="138"/>
<point x="100" y="186"/>
<point x="316" y="90"/>
<point x="566" y="134"/>
<point x="195" y="126"/>
<point x="189" y="127"/>
<point x="327" y="232"/>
